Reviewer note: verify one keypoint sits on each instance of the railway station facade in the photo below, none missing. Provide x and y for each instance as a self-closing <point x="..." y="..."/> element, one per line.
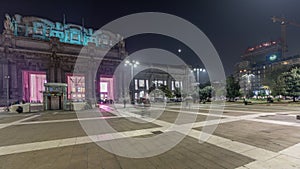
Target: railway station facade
<point x="35" y="51"/>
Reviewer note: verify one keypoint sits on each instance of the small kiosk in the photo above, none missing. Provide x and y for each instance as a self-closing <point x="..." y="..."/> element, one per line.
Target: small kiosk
<point x="55" y="96"/>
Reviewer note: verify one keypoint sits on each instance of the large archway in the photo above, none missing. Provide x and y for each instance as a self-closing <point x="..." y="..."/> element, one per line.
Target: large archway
<point x="33" y="86"/>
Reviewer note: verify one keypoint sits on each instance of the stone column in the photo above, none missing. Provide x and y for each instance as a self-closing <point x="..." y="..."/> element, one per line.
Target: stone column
<point x="90" y="75"/>
<point x="51" y="73"/>
<point x="54" y="72"/>
<point x="2" y="79"/>
<point x="8" y="45"/>
<point x="58" y="72"/>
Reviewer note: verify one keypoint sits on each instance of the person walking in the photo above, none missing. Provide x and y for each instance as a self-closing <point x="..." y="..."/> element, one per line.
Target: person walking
<point x="124" y="102"/>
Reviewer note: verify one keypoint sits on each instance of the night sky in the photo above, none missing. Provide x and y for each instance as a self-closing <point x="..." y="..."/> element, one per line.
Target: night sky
<point x="231" y="25"/>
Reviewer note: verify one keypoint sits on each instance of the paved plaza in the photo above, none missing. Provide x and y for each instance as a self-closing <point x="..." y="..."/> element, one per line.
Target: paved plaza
<point x="246" y="137"/>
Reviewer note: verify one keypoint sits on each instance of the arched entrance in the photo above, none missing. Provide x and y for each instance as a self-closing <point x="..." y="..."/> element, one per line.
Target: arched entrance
<point x="33" y="86"/>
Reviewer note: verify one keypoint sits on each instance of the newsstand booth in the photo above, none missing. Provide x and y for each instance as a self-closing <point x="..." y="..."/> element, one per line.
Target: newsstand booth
<point x="55" y="96"/>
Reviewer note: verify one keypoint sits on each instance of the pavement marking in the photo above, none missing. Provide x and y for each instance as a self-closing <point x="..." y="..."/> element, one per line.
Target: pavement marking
<point x="277" y="162"/>
<point x="243" y="107"/>
<point x="293" y="151"/>
<point x="264" y="158"/>
<point x="231" y="118"/>
<point x="276" y="122"/>
<point x="237" y="147"/>
<point x="17" y="122"/>
<point x="67" y="120"/>
<point x="27" y="147"/>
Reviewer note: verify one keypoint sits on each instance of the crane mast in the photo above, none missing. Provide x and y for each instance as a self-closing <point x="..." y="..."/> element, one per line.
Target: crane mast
<point x="283" y="24"/>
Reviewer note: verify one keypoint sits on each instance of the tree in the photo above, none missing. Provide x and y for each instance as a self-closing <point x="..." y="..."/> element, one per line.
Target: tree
<point x="291" y="83"/>
<point x="278" y="86"/>
<point x="232" y="88"/>
<point x="177" y="92"/>
<point x="272" y="78"/>
<point x="205" y="93"/>
<point x="166" y="90"/>
<point x="151" y="88"/>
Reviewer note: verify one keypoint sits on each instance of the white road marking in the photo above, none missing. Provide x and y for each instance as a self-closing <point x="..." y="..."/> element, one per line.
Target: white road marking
<point x="288" y="158"/>
<point x="17" y="122"/>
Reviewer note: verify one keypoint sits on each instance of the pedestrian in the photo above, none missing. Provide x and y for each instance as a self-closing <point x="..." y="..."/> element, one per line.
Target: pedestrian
<point x="124" y="102"/>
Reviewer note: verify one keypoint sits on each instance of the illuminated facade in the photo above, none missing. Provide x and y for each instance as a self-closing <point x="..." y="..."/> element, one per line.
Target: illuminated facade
<point x="34" y="51"/>
<point x="257" y="62"/>
<point x="157" y="75"/>
<point x="67" y="33"/>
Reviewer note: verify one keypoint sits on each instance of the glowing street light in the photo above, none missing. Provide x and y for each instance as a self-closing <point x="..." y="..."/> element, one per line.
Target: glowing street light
<point x="247" y="86"/>
<point x="132" y="65"/>
<point x="248" y="77"/>
<point x="198" y="70"/>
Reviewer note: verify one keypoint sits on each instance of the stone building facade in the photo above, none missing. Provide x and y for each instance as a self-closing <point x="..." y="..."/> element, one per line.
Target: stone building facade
<point x="34" y="51"/>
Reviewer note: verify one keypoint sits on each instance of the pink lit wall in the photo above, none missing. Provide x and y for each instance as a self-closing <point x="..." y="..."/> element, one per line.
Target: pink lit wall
<point x="33" y="85"/>
<point x="110" y="87"/>
<point x="76" y="86"/>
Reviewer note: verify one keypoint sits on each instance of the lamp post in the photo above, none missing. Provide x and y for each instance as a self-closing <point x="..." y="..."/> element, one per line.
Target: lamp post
<point x="7" y="90"/>
<point x="247" y="86"/>
<point x="198" y="70"/>
<point x="132" y="64"/>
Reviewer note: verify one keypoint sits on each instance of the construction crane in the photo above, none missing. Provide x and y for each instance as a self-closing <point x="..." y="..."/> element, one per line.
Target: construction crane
<point x="283" y="23"/>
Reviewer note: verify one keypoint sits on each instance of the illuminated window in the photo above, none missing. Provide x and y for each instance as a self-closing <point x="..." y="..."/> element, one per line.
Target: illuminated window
<point x="173" y="88"/>
<point x="160" y="82"/>
<point x="75" y="37"/>
<point x="142" y="93"/>
<point x="39" y="31"/>
<point x="103" y="87"/>
<point x="177" y="84"/>
<point x="141" y="83"/>
<point x="76" y="87"/>
<point x="135" y="84"/>
<point x="147" y="84"/>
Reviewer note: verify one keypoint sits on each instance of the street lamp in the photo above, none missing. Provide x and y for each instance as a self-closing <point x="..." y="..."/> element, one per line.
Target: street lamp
<point x="247" y="86"/>
<point x="7" y="90"/>
<point x="132" y="65"/>
<point x="198" y="70"/>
